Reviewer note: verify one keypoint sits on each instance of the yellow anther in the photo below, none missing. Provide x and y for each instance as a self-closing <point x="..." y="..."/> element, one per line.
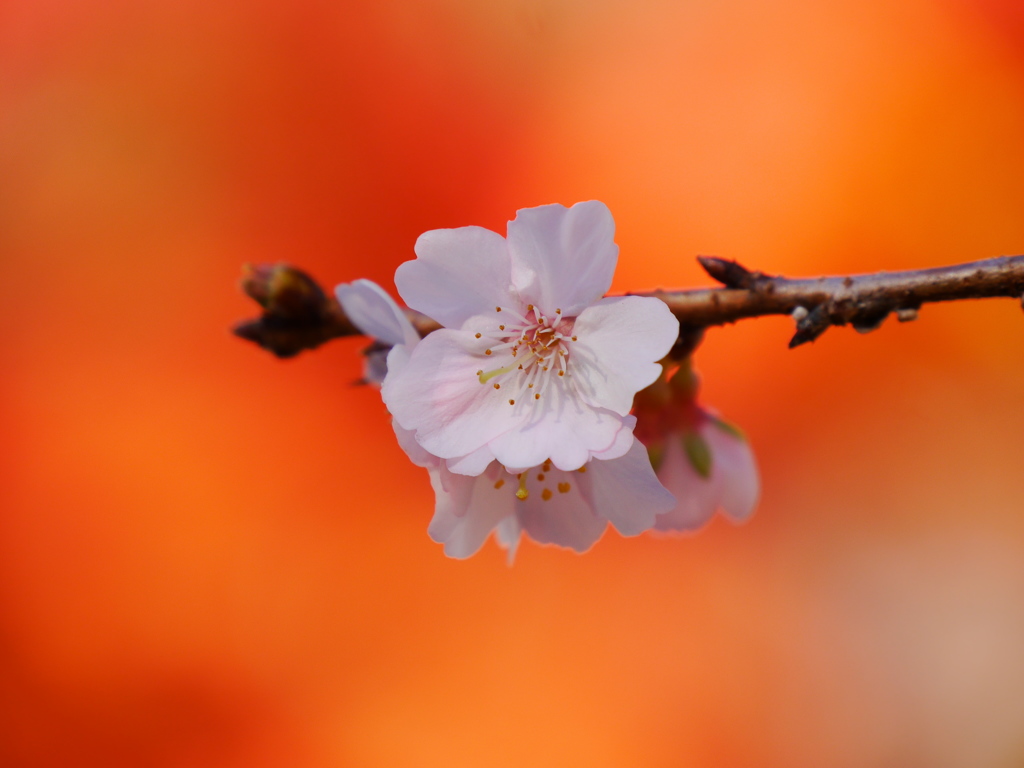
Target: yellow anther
<point x="537" y="396"/>
<point x="529" y="307"/>
<point x="561" y="373"/>
<point x="511" y="402"/>
<point x="487" y="351"/>
<point x="564" y="487"/>
<point x="522" y="493"/>
<point x="501" y="327"/>
<point x="546" y="494"/>
<point x="558" y="311"/>
<point x="478" y="335"/>
<point x="574" y="338"/>
<point x="497" y="385"/>
<point x="497" y="309"/>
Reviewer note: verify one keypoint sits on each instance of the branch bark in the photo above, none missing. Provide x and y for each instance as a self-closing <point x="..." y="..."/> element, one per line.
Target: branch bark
<point x="299" y="315"/>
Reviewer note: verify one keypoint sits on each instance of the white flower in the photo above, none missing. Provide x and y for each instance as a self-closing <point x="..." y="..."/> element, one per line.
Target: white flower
<point x="705" y="462"/>
<point x="532" y="364"/>
<point x="552" y="506"/>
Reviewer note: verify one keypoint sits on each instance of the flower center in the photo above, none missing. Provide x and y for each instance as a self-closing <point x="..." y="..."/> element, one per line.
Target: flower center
<point x="531" y="352"/>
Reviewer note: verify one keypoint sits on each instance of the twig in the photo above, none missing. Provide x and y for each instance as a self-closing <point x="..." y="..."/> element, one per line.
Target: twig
<point x="299" y="315"/>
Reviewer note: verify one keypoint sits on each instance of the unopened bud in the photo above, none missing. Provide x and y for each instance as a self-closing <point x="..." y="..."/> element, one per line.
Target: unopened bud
<point x="285" y="292"/>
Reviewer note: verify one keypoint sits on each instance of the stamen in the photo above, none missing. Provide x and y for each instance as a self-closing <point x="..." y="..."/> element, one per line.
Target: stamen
<point x="537" y="396"/>
<point x="546" y="494"/>
<point x="497" y="309"/>
<point x="501" y="327"/>
<point x="478" y="335"/>
<point x="540" y="476"/>
<point x="558" y="311"/>
<point x="500" y="483"/>
<point x="522" y="494"/>
<point x="485" y="377"/>
<point x="582" y="469"/>
<point x="487" y="351"/>
<point x="497" y="385"/>
<point x="574" y="338"/>
<point x="511" y="402"/>
<point x="564" y="487"/>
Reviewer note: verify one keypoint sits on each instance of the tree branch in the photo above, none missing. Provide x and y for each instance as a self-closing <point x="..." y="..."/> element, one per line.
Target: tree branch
<point x="299" y="315"/>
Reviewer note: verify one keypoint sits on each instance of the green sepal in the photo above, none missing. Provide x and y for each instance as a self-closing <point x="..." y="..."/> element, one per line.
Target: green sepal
<point x="656" y="453"/>
<point x="729" y="429"/>
<point x="698" y="452"/>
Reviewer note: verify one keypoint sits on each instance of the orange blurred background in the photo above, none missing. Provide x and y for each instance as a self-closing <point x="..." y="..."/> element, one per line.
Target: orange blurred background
<point x="209" y="557"/>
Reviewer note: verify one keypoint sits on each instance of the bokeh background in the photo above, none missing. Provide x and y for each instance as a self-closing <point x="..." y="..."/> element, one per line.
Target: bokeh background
<point x="209" y="557"/>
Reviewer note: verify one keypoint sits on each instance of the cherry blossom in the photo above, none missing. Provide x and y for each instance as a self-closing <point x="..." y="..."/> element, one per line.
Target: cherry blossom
<point x="550" y="505"/>
<point x="532" y="364"/>
<point x="704" y="461"/>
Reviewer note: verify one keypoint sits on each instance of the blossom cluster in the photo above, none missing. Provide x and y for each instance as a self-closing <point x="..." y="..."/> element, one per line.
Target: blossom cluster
<point x="521" y="407"/>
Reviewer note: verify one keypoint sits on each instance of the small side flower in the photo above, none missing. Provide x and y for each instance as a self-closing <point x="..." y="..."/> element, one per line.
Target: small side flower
<point x="704" y="461"/>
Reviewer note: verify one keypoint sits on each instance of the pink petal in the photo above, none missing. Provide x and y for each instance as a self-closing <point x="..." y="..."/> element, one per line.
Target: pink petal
<point x="619" y="341"/>
<point x="416" y="453"/>
<point x="563" y="258"/>
<point x="565" y="519"/>
<point x="508" y="533"/>
<point x="623" y="441"/>
<point x="566" y="430"/>
<point x="736" y="470"/>
<point x="467" y="510"/>
<point x="626" y="492"/>
<point x="457" y="273"/>
<point x="375" y="313"/>
<point x="473" y="464"/>
<point x="696" y="497"/>
<point x="439" y="396"/>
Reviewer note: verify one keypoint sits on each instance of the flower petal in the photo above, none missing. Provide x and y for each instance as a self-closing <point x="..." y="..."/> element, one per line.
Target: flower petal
<point x="457" y="273"/>
<point x="736" y="468"/>
<point x="472" y="464"/>
<point x="439" y="396"/>
<point x="563" y="258"/>
<point x="696" y="496"/>
<point x="565" y="519"/>
<point x="416" y="453"/>
<point x="563" y="429"/>
<point x="626" y="492"/>
<point x="467" y="510"/>
<point x="375" y="313"/>
<point x="619" y="341"/>
<point x="508" y="533"/>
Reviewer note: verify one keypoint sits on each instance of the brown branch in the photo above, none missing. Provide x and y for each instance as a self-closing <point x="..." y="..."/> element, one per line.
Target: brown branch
<point x="299" y="315"/>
